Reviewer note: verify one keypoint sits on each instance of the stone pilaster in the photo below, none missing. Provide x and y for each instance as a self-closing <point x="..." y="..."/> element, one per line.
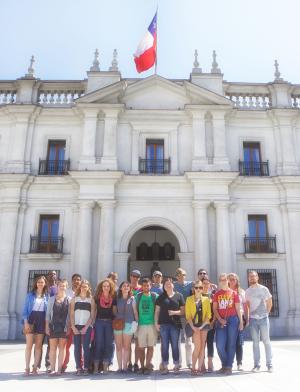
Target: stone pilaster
<point x="201" y="235"/>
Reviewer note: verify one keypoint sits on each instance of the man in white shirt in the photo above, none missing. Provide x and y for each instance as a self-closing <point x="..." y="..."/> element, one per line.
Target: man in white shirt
<point x="259" y="305"/>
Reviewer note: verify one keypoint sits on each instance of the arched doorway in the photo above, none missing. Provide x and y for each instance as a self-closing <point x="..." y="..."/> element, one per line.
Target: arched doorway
<point x="153" y="247"/>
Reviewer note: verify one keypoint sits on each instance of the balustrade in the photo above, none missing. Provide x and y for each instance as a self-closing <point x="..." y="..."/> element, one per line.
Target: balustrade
<point x="7" y="96"/>
<point x="250" y="101"/>
<point x="295" y="101"/>
<point x="58" y="97"/>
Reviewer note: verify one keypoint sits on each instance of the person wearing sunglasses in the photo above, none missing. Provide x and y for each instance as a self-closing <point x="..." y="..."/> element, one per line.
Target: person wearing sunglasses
<point x="226" y="308"/>
<point x="198" y="314"/>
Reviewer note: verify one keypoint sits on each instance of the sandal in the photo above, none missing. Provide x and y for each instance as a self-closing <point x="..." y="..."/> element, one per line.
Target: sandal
<point x="194" y="372"/>
<point x="34" y="371"/>
<point x="51" y="373"/>
<point x="26" y="372"/>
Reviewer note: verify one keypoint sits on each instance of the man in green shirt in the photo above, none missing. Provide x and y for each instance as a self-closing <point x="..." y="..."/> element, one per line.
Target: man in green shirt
<point x="147" y="335"/>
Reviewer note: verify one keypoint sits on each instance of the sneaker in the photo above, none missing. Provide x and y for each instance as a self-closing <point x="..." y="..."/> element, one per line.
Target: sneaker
<point x="164" y="371"/>
<point x="78" y="372"/>
<point x="176" y="369"/>
<point x="221" y="371"/>
<point x="129" y="367"/>
<point x="85" y="372"/>
<point x="240" y="367"/>
<point x="270" y="369"/>
<point x="227" y="372"/>
<point x="147" y="371"/>
<point x="135" y="368"/>
<point x="256" y="369"/>
<point x="140" y="371"/>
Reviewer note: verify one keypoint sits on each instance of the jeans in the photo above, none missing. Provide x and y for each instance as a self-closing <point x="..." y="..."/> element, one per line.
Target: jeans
<point x="226" y="340"/>
<point x="169" y="334"/>
<point x="79" y="342"/>
<point x="104" y="338"/>
<point x="261" y="328"/>
<point x="239" y="347"/>
<point x="210" y="342"/>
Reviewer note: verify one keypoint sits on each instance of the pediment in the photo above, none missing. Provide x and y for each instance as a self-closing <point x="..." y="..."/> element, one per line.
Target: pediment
<point x="154" y="92"/>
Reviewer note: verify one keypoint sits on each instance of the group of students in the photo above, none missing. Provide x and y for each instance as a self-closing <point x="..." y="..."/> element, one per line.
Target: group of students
<point x="143" y="311"/>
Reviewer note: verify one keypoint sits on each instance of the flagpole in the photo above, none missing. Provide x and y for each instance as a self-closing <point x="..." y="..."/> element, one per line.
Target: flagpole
<point x="155" y="68"/>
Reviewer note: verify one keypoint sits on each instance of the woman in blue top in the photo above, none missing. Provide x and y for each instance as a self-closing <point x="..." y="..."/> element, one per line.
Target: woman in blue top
<point x="33" y="318"/>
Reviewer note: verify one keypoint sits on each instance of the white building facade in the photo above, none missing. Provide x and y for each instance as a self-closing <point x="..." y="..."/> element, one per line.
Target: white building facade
<point x="110" y="174"/>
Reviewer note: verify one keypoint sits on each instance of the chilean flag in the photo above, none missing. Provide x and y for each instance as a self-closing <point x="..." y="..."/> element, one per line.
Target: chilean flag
<point x="145" y="55"/>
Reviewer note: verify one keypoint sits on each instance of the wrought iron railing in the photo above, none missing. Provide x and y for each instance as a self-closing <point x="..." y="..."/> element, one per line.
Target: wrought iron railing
<point x="252" y="168"/>
<point x="154" y="166"/>
<point x="46" y="244"/>
<point x="260" y="244"/>
<point x="54" y="167"/>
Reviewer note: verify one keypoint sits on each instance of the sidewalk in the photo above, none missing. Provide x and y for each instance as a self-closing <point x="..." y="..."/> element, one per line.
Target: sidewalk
<point x="285" y="376"/>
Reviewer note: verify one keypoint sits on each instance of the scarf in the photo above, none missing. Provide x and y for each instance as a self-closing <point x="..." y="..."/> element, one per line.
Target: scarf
<point x="105" y="302"/>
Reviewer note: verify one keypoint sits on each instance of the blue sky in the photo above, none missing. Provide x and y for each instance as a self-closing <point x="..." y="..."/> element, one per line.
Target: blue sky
<point x="63" y="34"/>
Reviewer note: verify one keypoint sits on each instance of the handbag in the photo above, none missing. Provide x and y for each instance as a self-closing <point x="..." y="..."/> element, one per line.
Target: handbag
<point x="29" y="329"/>
<point x="118" y="324"/>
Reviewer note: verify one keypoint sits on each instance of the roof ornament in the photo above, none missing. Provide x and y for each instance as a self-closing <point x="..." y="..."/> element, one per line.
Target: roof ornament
<point x="277" y="73"/>
<point x="30" y="70"/>
<point x="95" y="67"/>
<point x="214" y="65"/>
<point x="114" y="63"/>
<point x="196" y="64"/>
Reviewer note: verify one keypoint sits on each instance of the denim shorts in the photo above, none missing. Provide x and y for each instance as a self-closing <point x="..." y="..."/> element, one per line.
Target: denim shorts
<point x="126" y="330"/>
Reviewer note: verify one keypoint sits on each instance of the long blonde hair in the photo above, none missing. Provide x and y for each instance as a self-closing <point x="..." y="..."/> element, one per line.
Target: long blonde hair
<point x="89" y="290"/>
<point x="238" y="285"/>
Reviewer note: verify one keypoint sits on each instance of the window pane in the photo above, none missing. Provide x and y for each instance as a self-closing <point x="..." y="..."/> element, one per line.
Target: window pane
<point x="44" y="231"/>
<point x="252" y="228"/>
<point x="246" y="154"/>
<point x="262" y="228"/>
<point x="54" y="228"/>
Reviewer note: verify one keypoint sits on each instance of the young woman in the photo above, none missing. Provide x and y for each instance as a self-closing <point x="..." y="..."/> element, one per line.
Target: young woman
<point x="126" y="310"/>
<point x="234" y="284"/>
<point x="106" y="308"/>
<point x="33" y="318"/>
<point x="169" y="307"/>
<point x="226" y="307"/>
<point x="208" y="291"/>
<point x="198" y="315"/>
<point x="57" y="326"/>
<point x="82" y="314"/>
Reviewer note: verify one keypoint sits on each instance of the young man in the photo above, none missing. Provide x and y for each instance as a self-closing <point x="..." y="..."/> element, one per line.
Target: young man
<point x="135" y="288"/>
<point x="76" y="280"/>
<point x="202" y="274"/>
<point x="147" y="335"/>
<point x="259" y="304"/>
<point x="185" y="288"/>
<point x="157" y="286"/>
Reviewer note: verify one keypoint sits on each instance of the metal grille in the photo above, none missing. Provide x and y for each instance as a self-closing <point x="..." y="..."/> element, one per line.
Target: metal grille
<point x="252" y="168"/>
<point x="35" y="273"/>
<point x="154" y="166"/>
<point x="267" y="277"/>
<point x="54" y="167"/>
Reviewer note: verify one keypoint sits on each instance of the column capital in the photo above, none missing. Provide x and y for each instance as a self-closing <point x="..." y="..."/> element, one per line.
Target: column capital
<point x="105" y="204"/>
<point x="121" y="257"/>
<point x="222" y="204"/>
<point x="201" y="204"/>
<point x="88" y="204"/>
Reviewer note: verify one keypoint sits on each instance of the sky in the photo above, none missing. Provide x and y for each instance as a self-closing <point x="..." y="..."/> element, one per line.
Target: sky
<point x="63" y="35"/>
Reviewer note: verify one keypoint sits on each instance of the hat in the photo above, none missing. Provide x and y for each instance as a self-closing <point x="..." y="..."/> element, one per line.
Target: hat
<point x="157" y="273"/>
<point x="135" y="273"/>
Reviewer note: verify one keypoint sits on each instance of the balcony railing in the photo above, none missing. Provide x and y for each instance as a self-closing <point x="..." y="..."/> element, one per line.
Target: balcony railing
<point x="251" y="168"/>
<point x="54" y="168"/>
<point x="154" y="166"/>
<point x="46" y="244"/>
<point x="260" y="244"/>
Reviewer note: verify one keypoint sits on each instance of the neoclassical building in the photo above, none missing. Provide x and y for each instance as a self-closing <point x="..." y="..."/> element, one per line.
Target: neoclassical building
<point x="110" y="174"/>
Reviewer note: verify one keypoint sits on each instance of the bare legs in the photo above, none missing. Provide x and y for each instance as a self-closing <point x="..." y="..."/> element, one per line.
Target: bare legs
<point x="55" y="344"/>
<point x="199" y="340"/>
<point x="123" y="343"/>
<point x="38" y="341"/>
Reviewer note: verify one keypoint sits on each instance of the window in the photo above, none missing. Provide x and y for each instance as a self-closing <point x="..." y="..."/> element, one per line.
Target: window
<point x="35" y="273"/>
<point x="267" y="277"/>
<point x="47" y="240"/>
<point x="55" y="164"/>
<point x="259" y="240"/>
<point x="258" y="226"/>
<point x="154" y="149"/>
<point x="251" y="152"/>
<point x="252" y="164"/>
<point x="56" y="150"/>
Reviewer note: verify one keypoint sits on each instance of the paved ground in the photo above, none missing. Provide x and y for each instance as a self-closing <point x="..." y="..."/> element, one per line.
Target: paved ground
<point x="286" y="369"/>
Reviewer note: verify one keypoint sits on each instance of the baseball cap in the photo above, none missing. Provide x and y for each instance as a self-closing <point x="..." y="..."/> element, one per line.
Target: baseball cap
<point x="157" y="273"/>
<point x="135" y="273"/>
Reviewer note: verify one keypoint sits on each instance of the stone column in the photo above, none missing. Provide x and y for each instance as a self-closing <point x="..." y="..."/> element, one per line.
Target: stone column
<point x="87" y="158"/>
<point x="121" y="264"/>
<point x="134" y="151"/>
<point x="201" y="237"/>
<point x="187" y="263"/>
<point x="106" y="238"/>
<point x="224" y="254"/>
<point x="9" y="219"/>
<point x="84" y="238"/>
<point x="109" y="156"/>
<point x="199" y="160"/>
<point x="174" y="152"/>
<point x="219" y="131"/>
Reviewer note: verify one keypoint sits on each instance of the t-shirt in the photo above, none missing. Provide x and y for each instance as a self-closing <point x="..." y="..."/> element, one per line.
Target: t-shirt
<point x="185" y="289"/>
<point x="256" y="296"/>
<point x="136" y="290"/>
<point x="157" y="289"/>
<point x="167" y="303"/>
<point x="146" y="309"/>
<point x="125" y="309"/>
<point x="105" y="313"/>
<point x="226" y="300"/>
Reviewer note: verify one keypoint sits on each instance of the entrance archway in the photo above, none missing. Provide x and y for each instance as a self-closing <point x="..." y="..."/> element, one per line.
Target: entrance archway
<point x="153" y="248"/>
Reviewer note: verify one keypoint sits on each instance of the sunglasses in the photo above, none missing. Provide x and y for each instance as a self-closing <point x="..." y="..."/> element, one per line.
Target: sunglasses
<point x="202" y="273"/>
<point x="198" y="288"/>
